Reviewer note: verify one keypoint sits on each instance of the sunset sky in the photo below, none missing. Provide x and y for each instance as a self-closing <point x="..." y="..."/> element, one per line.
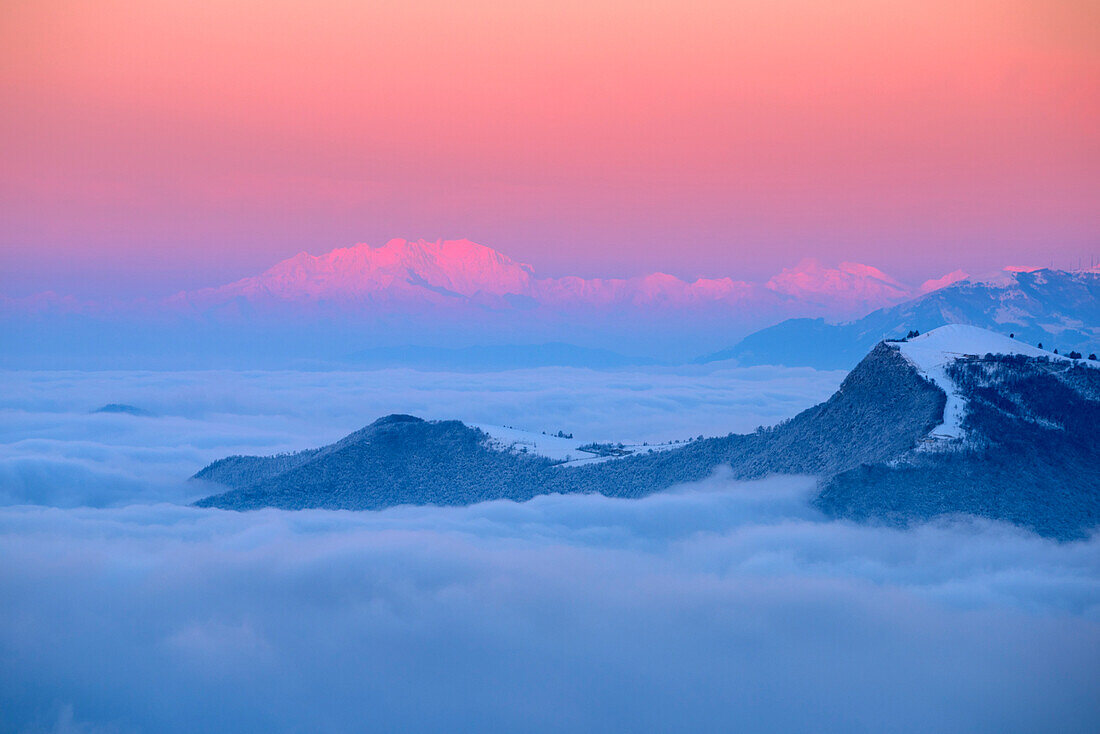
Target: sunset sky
<point x="157" y="145"/>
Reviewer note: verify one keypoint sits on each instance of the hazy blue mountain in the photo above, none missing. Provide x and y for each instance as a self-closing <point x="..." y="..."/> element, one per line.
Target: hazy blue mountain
<point x="1058" y="308"/>
<point x="122" y="408"/>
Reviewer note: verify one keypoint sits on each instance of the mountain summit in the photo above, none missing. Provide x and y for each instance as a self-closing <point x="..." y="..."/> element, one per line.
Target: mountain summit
<point x="400" y="270"/>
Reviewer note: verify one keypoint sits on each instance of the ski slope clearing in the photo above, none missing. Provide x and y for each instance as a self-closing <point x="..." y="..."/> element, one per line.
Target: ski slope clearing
<point x="932" y="352"/>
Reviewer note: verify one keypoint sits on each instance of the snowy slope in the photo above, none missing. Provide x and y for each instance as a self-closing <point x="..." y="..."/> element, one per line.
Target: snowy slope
<point x="539" y="444"/>
<point x="932" y="352"/>
<point x="555" y="448"/>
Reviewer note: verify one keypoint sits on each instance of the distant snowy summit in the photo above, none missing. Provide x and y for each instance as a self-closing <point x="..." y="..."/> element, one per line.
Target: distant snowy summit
<point x="957" y="421"/>
<point x="454" y="271"/>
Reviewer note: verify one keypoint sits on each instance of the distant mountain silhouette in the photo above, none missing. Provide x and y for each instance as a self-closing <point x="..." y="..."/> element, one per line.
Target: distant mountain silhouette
<point x="122" y="408"/>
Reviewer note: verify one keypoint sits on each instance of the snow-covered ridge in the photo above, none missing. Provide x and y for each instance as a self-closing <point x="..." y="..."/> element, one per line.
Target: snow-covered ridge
<point x="932" y="352"/>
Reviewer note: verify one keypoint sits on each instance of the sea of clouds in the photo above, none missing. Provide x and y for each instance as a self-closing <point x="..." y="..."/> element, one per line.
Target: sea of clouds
<point x="719" y="606"/>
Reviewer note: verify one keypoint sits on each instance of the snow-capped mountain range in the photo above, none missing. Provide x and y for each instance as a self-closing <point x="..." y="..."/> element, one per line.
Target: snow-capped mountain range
<point x="372" y="306"/>
<point x="452" y="271"/>
<point x="404" y="274"/>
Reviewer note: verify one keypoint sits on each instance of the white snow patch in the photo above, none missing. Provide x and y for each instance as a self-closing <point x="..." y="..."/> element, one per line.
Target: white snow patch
<point x="556" y="448"/>
<point x="540" y="444"/>
<point x="932" y="352"/>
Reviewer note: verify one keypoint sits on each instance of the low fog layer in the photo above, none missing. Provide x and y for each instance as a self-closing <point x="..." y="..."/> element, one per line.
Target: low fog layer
<point x="717" y="606"/>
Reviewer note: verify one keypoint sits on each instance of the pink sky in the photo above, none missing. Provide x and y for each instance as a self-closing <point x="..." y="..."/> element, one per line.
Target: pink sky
<point x="150" y="146"/>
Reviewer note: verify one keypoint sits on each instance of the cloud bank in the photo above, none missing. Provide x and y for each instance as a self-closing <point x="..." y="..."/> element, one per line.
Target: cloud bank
<point x="720" y="607"/>
<point x="716" y="606"/>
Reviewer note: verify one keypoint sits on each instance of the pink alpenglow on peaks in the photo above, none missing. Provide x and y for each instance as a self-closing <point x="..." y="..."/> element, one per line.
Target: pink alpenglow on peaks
<point x="398" y="271"/>
<point x="934" y="284"/>
<point x="403" y="271"/>
<point x="407" y="275"/>
<point x="461" y="279"/>
<point x="851" y="286"/>
<point x="446" y="271"/>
